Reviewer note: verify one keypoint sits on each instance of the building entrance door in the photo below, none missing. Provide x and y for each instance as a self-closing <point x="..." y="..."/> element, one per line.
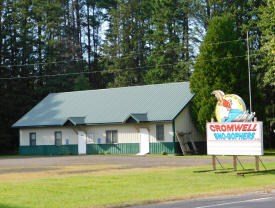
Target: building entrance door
<point x="81" y="143"/>
<point x="144" y="142"/>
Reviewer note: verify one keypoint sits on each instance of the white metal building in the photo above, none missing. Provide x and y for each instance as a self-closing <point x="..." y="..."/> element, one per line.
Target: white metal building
<point x="128" y="120"/>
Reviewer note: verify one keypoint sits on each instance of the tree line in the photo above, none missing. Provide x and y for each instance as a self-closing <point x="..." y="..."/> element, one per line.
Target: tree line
<point x="50" y="46"/>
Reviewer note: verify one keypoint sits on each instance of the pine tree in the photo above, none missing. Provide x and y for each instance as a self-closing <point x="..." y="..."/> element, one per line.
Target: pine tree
<point x="17" y="52"/>
<point x="221" y="65"/>
<point x="93" y="19"/>
<point x="266" y="23"/>
<point x="58" y="44"/>
<point x="267" y="66"/>
<point x="169" y="42"/>
<point x="126" y="48"/>
<point x="34" y="32"/>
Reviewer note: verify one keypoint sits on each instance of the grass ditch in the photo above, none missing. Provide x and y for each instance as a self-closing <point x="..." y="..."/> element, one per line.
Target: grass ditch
<point x="108" y="185"/>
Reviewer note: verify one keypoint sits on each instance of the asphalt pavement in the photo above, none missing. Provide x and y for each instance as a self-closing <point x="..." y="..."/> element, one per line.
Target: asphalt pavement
<point x="247" y="200"/>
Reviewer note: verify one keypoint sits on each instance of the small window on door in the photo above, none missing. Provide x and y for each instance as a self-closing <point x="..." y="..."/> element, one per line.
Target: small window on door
<point x="58" y="138"/>
<point x="32" y="139"/>
<point x="160" y="132"/>
<point x="111" y="136"/>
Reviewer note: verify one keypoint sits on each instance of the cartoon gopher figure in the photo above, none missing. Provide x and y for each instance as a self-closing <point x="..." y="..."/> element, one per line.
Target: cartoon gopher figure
<point x="222" y="102"/>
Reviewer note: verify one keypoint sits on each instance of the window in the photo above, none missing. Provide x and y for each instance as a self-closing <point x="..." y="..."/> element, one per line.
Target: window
<point x="32" y="139"/>
<point x="58" y="138"/>
<point x="91" y="138"/>
<point x="111" y="136"/>
<point x="160" y="132"/>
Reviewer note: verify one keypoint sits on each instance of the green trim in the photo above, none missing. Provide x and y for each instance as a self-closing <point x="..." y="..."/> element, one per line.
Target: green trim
<point x="90" y="124"/>
<point x="122" y="148"/>
<point x="19" y="136"/>
<point x="74" y="120"/>
<point x="138" y="117"/>
<point x="48" y="150"/>
<point x="157" y="148"/>
<point x="93" y="149"/>
<point x="131" y="120"/>
<point x="174" y="134"/>
<point x="130" y="148"/>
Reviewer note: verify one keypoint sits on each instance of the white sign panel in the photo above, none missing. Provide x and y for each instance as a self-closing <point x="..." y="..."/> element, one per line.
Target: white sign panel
<point x="235" y="138"/>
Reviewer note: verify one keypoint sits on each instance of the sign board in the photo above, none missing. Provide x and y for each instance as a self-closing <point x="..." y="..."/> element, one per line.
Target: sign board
<point x="231" y="108"/>
<point x="235" y="138"/>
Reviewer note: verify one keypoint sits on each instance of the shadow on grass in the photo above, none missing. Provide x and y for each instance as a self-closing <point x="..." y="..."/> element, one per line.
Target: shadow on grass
<point x="11" y="206"/>
<point x="269" y="152"/>
<point x="270" y="173"/>
<point x="9" y="155"/>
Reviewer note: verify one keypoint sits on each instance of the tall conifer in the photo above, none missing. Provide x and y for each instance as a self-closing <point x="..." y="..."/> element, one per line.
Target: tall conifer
<point x="267" y="67"/>
<point x="168" y="38"/>
<point x="221" y="65"/>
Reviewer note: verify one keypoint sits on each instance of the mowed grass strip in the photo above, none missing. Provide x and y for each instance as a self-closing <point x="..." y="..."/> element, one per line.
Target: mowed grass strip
<point x="128" y="187"/>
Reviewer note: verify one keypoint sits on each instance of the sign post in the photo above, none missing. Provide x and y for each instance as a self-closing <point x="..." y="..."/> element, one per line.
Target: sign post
<point x="256" y="163"/>
<point x="234" y="163"/>
<point x="214" y="162"/>
<point x="234" y="134"/>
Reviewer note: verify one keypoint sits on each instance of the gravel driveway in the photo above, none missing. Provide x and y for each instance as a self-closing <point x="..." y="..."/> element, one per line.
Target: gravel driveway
<point x="130" y="161"/>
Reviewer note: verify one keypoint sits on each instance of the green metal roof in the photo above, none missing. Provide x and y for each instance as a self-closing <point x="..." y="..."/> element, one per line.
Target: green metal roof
<point x="74" y="121"/>
<point x="162" y="102"/>
<point x="136" y="118"/>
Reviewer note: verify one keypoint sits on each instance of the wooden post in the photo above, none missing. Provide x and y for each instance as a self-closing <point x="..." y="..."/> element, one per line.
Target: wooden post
<point x="234" y="163"/>
<point x="83" y="129"/>
<point x="256" y="157"/>
<point x="256" y="163"/>
<point x="75" y="130"/>
<point x="214" y="162"/>
<point x="136" y="127"/>
<point x="213" y="156"/>
<point x="146" y="127"/>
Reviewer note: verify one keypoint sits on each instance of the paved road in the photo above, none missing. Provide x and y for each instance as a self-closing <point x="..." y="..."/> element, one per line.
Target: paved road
<point x="248" y="200"/>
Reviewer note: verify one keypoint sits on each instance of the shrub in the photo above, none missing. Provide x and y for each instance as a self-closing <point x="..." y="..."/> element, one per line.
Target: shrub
<point x="163" y="153"/>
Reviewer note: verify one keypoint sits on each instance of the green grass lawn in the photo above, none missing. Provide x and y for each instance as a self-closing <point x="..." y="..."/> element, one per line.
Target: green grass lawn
<point x="136" y="186"/>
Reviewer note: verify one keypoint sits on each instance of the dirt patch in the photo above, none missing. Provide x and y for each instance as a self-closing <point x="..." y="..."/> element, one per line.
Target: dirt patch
<point x="25" y="170"/>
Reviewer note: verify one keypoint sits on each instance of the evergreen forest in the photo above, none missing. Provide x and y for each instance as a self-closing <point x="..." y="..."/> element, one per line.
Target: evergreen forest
<point x="51" y="46"/>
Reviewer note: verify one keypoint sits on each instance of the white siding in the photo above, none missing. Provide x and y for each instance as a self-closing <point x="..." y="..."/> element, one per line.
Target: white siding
<point x="45" y="135"/>
<point x="168" y="132"/>
<point x="127" y="133"/>
<point x="183" y="123"/>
